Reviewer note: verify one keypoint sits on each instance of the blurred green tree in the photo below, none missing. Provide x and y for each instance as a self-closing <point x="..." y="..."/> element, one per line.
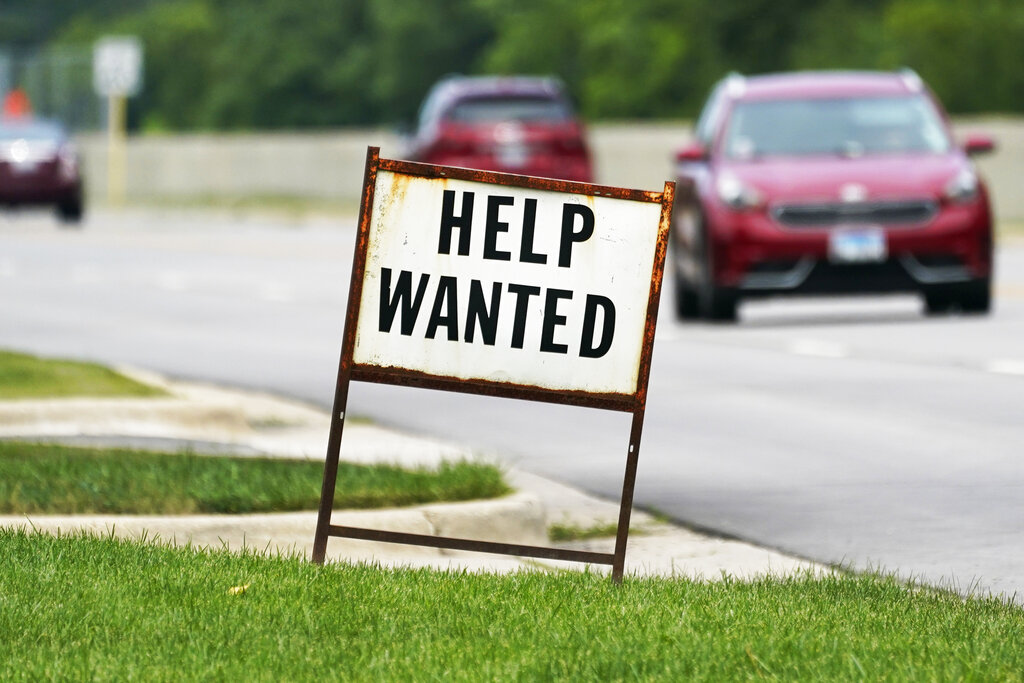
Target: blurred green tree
<point x="274" y="64"/>
<point x="621" y="59"/>
<point x="415" y="44"/>
<point x="177" y="38"/>
<point x="840" y="34"/>
<point x="969" y="53"/>
<point x="286" y="65"/>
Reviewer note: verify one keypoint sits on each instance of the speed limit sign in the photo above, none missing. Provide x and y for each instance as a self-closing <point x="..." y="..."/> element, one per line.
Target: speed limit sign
<point x="117" y="66"/>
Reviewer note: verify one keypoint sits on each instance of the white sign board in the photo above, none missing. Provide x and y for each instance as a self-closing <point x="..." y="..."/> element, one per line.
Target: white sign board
<point x="117" y="66"/>
<point x="506" y="284"/>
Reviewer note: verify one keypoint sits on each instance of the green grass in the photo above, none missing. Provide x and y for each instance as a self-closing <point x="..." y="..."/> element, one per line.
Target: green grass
<point x="99" y="609"/>
<point x="559" y="532"/>
<point x="24" y="377"/>
<point x="53" y="479"/>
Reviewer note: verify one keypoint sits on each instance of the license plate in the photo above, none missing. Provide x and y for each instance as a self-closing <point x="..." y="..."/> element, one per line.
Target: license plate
<point x="513" y="154"/>
<point x="857" y="245"/>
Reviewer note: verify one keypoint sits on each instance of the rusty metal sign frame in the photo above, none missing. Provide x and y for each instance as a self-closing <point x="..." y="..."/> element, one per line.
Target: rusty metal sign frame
<point x="349" y="371"/>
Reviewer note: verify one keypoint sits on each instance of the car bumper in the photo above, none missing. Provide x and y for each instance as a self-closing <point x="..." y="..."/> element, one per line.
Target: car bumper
<point x="754" y="254"/>
<point x="41" y="185"/>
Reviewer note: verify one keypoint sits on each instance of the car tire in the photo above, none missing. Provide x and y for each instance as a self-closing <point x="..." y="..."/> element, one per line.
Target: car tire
<point x="70" y="212"/>
<point x="715" y="303"/>
<point x="687" y="303"/>
<point x="975" y="297"/>
<point x="937" y="301"/>
<point x="719" y="304"/>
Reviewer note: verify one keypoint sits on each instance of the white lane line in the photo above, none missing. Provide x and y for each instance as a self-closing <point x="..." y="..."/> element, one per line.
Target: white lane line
<point x="7" y="268"/>
<point x="1006" y="366"/>
<point x="817" y="348"/>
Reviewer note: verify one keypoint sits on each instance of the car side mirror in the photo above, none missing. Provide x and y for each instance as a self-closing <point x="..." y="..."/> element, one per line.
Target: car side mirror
<point x="692" y="152"/>
<point x="978" y="144"/>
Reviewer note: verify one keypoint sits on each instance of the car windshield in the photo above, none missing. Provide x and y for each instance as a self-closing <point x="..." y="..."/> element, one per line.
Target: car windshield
<point x="845" y="127"/>
<point x="495" y="109"/>
<point x="32" y="132"/>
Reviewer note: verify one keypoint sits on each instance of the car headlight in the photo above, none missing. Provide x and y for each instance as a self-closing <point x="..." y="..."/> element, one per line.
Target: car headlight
<point x="736" y="194"/>
<point x="963" y="187"/>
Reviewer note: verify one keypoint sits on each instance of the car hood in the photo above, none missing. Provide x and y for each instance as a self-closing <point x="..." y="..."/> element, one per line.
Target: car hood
<point x="860" y="179"/>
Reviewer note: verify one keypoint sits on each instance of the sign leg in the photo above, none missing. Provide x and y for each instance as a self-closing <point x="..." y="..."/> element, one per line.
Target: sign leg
<point x="626" y="506"/>
<point x="323" y="521"/>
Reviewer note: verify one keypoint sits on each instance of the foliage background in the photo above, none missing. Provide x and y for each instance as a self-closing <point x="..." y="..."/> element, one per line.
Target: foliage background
<point x="279" y="64"/>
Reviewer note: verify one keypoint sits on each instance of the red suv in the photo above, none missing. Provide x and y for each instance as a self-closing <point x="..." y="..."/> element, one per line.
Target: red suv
<point x="524" y="125"/>
<point x="825" y="183"/>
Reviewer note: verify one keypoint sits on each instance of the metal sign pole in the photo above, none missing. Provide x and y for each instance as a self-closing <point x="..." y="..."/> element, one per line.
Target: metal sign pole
<point x="626" y="504"/>
<point x="323" y="523"/>
<point x="637" y="428"/>
<point x="115" y="149"/>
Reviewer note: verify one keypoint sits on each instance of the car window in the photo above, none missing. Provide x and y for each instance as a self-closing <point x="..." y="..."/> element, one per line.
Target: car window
<point x="31" y="132"/>
<point x="844" y="126"/>
<point x="494" y="109"/>
<point x="705" y="129"/>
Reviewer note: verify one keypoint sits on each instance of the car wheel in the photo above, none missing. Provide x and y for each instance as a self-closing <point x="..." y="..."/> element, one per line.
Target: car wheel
<point x="715" y="303"/>
<point x="719" y="303"/>
<point x="687" y="304"/>
<point x="976" y="296"/>
<point x="686" y="299"/>
<point x="937" y="302"/>
<point x="70" y="212"/>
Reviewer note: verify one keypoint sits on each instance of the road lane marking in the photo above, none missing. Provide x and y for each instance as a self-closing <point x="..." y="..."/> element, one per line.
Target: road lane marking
<point x="817" y="348"/>
<point x="1006" y="366"/>
<point x="7" y="269"/>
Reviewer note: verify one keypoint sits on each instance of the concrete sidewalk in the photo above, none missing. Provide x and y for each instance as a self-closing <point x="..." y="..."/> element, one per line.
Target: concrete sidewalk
<point x="214" y="420"/>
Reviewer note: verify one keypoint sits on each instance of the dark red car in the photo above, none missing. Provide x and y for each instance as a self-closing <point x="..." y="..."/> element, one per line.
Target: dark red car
<point x="514" y="124"/>
<point x="825" y="183"/>
<point x="39" y="166"/>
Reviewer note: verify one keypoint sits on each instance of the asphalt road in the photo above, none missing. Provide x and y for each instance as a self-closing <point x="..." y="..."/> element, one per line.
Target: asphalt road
<point x="854" y="431"/>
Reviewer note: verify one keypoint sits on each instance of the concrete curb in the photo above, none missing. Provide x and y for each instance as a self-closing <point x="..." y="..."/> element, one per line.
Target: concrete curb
<point x="217" y="420"/>
<point x="198" y="416"/>
<point x="518" y="518"/>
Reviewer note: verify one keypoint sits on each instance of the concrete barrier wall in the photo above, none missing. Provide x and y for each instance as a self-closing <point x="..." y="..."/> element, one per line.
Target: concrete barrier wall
<point x="330" y="165"/>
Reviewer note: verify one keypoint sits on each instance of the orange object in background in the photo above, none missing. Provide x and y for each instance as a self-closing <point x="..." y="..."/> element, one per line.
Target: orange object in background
<point x="17" y="104"/>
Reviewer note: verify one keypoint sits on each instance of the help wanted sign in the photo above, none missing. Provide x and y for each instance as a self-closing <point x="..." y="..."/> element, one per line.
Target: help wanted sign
<point x="522" y="282"/>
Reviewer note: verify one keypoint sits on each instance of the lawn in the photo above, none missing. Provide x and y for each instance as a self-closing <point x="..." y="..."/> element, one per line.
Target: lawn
<point x="88" y="608"/>
<point x="53" y="479"/>
<point x="25" y="377"/>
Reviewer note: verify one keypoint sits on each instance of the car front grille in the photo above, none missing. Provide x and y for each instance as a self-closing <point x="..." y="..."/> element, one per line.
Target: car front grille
<point x="903" y="212"/>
